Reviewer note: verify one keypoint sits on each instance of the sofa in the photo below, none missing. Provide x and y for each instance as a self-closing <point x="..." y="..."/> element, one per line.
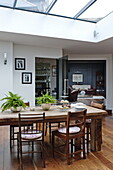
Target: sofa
<point x="87" y="88"/>
<point x="74" y="90"/>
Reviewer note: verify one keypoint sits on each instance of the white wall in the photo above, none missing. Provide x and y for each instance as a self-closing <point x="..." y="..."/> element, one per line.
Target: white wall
<point x="109" y="72"/>
<point x="11" y="79"/>
<point x="6" y="71"/>
<point x="45" y="25"/>
<point x="29" y="53"/>
<point x="31" y="23"/>
<point x="104" y="28"/>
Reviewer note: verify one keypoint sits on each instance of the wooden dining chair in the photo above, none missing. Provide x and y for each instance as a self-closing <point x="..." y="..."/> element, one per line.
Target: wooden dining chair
<point x="14" y="130"/>
<point x="31" y="135"/>
<point x="74" y="129"/>
<point x="98" y="105"/>
<point x="88" y="124"/>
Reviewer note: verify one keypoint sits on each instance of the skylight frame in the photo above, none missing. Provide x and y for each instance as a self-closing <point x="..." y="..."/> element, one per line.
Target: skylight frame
<point x="14" y="5"/>
<point x="84" y="8"/>
<point x="52" y="3"/>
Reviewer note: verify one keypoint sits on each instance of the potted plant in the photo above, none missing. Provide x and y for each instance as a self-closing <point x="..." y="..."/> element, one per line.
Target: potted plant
<point x="46" y="100"/>
<point x="13" y="102"/>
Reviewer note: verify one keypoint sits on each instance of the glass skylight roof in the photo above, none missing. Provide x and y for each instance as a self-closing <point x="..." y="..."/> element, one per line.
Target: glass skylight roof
<point x="68" y="7"/>
<point x="98" y="10"/>
<point x="7" y="2"/>
<point x="34" y="5"/>
<point x="88" y="10"/>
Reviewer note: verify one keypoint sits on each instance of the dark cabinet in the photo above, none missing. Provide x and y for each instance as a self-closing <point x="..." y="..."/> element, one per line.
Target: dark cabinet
<point x="100" y="87"/>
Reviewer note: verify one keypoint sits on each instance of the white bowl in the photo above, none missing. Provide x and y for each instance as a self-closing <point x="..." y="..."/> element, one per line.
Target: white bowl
<point x="79" y="107"/>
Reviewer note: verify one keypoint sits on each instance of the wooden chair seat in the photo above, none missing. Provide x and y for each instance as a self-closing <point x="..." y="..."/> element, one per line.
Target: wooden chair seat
<point x="71" y="130"/>
<point x="31" y="135"/>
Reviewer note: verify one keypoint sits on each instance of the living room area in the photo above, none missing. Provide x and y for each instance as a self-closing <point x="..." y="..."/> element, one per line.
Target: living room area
<point x="87" y="81"/>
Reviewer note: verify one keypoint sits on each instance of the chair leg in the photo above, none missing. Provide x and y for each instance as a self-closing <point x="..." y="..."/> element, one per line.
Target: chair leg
<point x="21" y="161"/>
<point x="67" y="152"/>
<point x="59" y="125"/>
<point x="32" y="148"/>
<point x="10" y="136"/>
<point x="53" y="144"/>
<point x="43" y="155"/>
<point x="50" y="132"/>
<point x="84" y="155"/>
<point x="13" y="134"/>
<point x="72" y="146"/>
<point x="87" y="139"/>
<point x="18" y="149"/>
<point x="46" y="129"/>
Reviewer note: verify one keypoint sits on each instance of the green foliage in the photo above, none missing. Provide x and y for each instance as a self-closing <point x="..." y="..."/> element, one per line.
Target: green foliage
<point x="12" y="100"/>
<point x="45" y="99"/>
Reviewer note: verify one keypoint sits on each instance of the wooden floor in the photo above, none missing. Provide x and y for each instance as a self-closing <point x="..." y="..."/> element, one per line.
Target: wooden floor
<point x="95" y="160"/>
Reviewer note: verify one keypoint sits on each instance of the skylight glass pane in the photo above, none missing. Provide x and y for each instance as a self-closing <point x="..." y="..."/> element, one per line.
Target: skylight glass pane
<point x="7" y="3"/>
<point x="68" y="7"/>
<point x="34" y="5"/>
<point x="98" y="10"/>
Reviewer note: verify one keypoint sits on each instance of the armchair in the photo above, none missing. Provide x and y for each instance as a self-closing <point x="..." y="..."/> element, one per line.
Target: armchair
<point x="72" y="94"/>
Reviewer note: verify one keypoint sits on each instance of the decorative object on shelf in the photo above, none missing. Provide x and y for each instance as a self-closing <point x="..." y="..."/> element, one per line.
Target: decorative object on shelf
<point x="26" y="78"/>
<point x="19" y="63"/>
<point x="54" y="71"/>
<point x="46" y="101"/>
<point x="13" y="102"/>
<point x="100" y="83"/>
<point x="77" y="77"/>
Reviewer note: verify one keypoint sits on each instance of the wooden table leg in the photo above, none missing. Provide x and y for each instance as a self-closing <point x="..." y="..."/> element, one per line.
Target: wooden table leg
<point x="96" y="134"/>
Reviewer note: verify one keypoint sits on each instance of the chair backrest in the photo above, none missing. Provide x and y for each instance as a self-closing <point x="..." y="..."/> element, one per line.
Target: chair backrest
<point x="32" y="123"/>
<point x="27" y="104"/>
<point x="98" y="105"/>
<point x="76" y="119"/>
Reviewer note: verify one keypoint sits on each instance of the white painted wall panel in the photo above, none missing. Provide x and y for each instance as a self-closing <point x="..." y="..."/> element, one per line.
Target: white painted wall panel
<point x="29" y="53"/>
<point x="6" y="71"/>
<point x="45" y="25"/>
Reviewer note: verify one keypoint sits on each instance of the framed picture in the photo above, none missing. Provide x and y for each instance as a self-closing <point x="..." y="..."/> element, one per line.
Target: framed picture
<point x="26" y="78"/>
<point x="54" y="72"/>
<point x="78" y="78"/>
<point x="19" y="63"/>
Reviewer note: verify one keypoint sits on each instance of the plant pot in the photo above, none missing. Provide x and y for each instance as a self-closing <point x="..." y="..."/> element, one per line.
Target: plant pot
<point x="46" y="106"/>
<point x="15" y="110"/>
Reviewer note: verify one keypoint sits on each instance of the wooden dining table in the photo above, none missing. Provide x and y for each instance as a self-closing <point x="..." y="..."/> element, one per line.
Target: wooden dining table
<point x="55" y="114"/>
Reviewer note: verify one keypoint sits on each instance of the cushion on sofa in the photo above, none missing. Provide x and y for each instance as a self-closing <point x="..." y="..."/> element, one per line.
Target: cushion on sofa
<point x="81" y="87"/>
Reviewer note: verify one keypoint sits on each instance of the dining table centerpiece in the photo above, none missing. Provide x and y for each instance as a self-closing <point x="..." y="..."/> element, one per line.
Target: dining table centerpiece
<point x="45" y="101"/>
<point x="14" y="102"/>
